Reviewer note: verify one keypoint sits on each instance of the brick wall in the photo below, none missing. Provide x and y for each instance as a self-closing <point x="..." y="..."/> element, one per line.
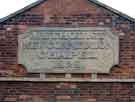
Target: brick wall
<point x="66" y="92"/>
<point x="66" y="13"/>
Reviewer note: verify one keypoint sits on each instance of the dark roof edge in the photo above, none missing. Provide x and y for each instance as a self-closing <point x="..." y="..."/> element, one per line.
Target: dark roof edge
<point x="93" y="1"/>
<point x="113" y="10"/>
<point x="22" y="10"/>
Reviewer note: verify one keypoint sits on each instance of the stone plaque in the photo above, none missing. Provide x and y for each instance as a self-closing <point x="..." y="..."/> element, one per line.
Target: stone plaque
<point x="68" y="50"/>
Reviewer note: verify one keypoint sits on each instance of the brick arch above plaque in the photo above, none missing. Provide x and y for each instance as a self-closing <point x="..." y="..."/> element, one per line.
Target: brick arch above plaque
<point x="68" y="50"/>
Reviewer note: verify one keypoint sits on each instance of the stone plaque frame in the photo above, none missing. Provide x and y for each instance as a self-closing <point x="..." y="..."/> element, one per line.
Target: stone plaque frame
<point x="108" y="56"/>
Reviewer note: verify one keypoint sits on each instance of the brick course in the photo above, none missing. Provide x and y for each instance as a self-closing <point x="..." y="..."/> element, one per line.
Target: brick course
<point x="83" y="92"/>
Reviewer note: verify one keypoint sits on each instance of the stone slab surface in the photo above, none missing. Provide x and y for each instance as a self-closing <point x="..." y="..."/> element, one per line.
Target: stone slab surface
<point x="68" y="50"/>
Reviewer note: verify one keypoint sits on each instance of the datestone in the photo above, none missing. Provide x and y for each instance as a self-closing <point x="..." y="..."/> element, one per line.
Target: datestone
<point x="68" y="50"/>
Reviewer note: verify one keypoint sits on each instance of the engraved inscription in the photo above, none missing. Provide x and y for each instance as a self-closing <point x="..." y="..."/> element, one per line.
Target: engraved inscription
<point x="68" y="50"/>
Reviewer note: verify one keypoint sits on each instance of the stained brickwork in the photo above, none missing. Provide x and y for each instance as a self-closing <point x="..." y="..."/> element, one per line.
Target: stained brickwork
<point x="67" y="92"/>
<point x="66" y="13"/>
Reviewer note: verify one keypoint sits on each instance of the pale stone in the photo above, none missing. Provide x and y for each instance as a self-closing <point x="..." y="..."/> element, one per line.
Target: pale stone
<point x="68" y="50"/>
